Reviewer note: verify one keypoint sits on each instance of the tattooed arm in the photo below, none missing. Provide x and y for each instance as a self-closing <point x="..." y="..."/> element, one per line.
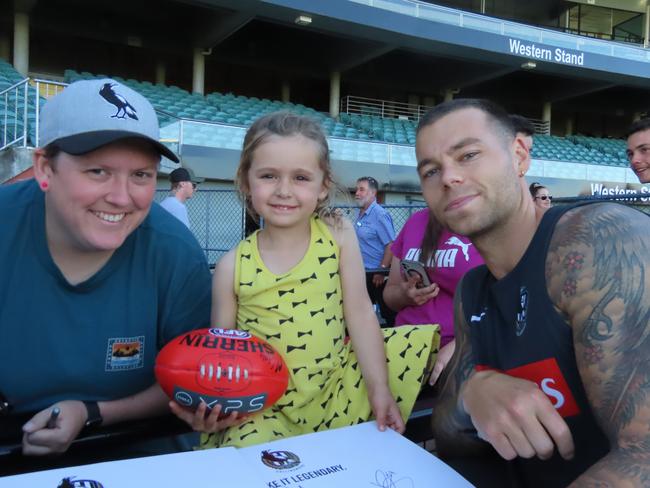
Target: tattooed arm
<point x="451" y="425"/>
<point x="598" y="276"/>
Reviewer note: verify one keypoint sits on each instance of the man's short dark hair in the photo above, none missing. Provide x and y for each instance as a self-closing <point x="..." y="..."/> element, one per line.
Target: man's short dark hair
<point x="491" y="109"/>
<point x="372" y="183"/>
<point x="522" y="125"/>
<point x="638" y="126"/>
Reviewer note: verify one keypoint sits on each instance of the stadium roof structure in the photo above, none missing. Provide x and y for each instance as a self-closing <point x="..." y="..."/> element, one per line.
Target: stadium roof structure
<point x="402" y="49"/>
<point x="425" y="54"/>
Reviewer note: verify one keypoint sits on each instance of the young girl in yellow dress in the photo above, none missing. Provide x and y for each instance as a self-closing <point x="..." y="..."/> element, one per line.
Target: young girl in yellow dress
<point x="298" y="283"/>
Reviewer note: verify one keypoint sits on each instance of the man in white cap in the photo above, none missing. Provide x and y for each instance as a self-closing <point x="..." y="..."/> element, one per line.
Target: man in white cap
<point x="182" y="190"/>
<point x="93" y="284"/>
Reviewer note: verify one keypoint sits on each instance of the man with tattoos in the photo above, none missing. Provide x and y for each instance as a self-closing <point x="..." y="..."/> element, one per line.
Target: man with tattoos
<point x="552" y="360"/>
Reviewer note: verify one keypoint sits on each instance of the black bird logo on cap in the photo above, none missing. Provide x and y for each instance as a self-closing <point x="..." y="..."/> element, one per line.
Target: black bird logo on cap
<point x="119" y="101"/>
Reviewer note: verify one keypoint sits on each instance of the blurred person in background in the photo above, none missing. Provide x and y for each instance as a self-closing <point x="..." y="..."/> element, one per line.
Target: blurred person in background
<point x="375" y="232"/>
<point x="541" y="196"/>
<point x="638" y="149"/>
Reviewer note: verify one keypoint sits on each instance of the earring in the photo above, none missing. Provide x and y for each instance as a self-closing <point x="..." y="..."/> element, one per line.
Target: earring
<point x="521" y="174"/>
<point x="44" y="185"/>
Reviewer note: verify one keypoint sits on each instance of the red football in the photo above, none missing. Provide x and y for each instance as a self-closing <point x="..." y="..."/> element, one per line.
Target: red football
<point x="226" y="367"/>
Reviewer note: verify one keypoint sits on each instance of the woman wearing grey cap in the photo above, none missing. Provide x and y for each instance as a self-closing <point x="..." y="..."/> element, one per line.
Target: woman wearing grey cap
<point x="95" y="278"/>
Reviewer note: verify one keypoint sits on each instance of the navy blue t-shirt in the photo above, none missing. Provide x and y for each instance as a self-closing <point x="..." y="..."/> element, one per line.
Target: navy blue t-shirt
<point x="96" y="340"/>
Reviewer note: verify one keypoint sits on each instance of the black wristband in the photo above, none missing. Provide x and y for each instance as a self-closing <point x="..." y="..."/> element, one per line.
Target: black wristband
<point x="94" y="415"/>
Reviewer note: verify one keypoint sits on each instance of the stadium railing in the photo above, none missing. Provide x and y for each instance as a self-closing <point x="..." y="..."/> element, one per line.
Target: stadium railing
<point x="484" y="23"/>
<point x="20" y="105"/>
<point x="44" y="89"/>
<point x="382" y="108"/>
<point x="13" y="115"/>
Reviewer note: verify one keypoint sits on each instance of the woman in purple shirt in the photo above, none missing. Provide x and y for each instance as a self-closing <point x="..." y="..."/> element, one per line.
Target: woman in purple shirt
<point x="446" y="258"/>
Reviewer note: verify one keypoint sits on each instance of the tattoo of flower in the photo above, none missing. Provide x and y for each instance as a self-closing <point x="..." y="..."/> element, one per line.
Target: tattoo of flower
<point x="570" y="287"/>
<point x="574" y="261"/>
<point x="594" y="354"/>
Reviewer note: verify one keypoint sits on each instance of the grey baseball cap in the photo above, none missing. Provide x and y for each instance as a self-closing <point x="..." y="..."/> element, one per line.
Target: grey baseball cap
<point x="89" y="114"/>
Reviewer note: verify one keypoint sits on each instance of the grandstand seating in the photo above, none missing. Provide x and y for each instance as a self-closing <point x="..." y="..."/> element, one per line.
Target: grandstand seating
<point x="613" y="150"/>
<point x="12" y="106"/>
<point x="8" y="75"/>
<point x="239" y="112"/>
<point x="581" y="149"/>
<point x="215" y="107"/>
<point x="395" y="131"/>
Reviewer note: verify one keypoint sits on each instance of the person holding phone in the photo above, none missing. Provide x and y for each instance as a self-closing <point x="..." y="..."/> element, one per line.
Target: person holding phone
<point x="415" y="269"/>
<point x="444" y="258"/>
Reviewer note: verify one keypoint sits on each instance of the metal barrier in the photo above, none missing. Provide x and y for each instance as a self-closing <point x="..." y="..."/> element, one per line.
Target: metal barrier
<point x="218" y="218"/>
<point x="13" y="115"/>
<point x="44" y="89"/>
<point x="20" y="105"/>
<point x="382" y="108"/>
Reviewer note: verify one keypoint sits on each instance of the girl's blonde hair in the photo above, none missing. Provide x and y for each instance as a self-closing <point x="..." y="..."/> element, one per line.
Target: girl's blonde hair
<point x="284" y="124"/>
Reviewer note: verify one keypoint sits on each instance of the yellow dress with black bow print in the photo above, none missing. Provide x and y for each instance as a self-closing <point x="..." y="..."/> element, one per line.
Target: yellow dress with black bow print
<point x="300" y="313"/>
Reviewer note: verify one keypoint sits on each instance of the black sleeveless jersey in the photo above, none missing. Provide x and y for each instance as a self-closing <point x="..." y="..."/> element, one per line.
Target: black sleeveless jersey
<point x="514" y="328"/>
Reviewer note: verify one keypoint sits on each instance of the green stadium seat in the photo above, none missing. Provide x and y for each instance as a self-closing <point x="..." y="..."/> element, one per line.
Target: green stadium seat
<point x="240" y="110"/>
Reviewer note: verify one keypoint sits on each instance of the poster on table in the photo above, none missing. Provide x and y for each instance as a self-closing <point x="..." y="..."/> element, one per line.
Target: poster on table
<point x="359" y="456"/>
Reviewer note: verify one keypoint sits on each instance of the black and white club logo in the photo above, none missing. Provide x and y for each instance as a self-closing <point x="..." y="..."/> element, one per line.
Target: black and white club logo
<point x="280" y="459"/>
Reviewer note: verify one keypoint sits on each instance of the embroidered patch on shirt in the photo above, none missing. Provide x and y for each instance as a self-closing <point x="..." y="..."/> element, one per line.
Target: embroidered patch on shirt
<point x="124" y="353"/>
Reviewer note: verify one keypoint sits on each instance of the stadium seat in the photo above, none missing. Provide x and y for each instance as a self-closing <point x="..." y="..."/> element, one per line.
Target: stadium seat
<point x="240" y="110"/>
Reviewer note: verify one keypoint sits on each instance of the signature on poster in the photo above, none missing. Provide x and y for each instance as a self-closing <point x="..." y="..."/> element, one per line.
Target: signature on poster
<point x="389" y="479"/>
